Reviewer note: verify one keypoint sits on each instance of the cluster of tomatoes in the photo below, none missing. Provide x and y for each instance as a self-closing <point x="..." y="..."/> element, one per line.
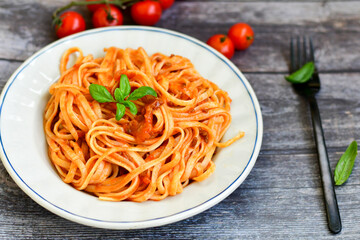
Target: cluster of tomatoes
<point x="144" y="12"/>
<point x="239" y="37"/>
<point x="147" y="12"/>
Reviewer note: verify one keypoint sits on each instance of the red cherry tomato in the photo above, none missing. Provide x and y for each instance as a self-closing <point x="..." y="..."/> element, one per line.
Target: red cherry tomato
<point x="146" y="12"/>
<point x="242" y="35"/>
<point x="94" y="7"/>
<point x="107" y="16"/>
<point x="71" y="22"/>
<point x="223" y="44"/>
<point x="165" y="4"/>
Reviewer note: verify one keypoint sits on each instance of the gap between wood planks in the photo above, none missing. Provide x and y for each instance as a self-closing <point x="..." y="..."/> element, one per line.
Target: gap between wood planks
<point x="301" y="151"/>
<point x="336" y="71"/>
<point x="243" y="187"/>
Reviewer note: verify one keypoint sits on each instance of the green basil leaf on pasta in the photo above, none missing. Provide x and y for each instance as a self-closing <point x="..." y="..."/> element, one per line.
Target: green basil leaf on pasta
<point x="141" y="92"/>
<point x="120" y="111"/>
<point x="118" y="95"/>
<point x="132" y="107"/>
<point x="100" y="93"/>
<point x="125" y="87"/>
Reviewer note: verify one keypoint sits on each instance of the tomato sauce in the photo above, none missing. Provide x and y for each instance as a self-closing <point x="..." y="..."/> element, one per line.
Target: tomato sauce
<point x="142" y="126"/>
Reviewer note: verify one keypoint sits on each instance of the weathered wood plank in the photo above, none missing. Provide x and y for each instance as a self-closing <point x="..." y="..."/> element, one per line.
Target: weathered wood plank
<point x="26" y="26"/>
<point x="333" y="25"/>
<point x="282" y="197"/>
<point x="7" y="68"/>
<point x="275" y="213"/>
<point x="287" y="123"/>
<point x="288" y="159"/>
<point x="288" y="130"/>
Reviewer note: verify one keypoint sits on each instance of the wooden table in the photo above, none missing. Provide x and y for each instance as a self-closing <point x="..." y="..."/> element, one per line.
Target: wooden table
<point x="282" y="197"/>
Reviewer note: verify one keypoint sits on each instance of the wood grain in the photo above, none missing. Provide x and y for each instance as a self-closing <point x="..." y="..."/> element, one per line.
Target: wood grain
<point x="282" y="196"/>
<point x="281" y="213"/>
<point x="286" y="116"/>
<point x="286" y="173"/>
<point x="287" y="123"/>
<point x="333" y="26"/>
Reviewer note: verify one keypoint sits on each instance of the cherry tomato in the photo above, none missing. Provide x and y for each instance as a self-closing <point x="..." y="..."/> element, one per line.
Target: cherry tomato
<point x="165" y="4"/>
<point x="146" y="12"/>
<point x="71" y="22"/>
<point x="94" y="7"/>
<point x="223" y="44"/>
<point x="107" y="16"/>
<point x="242" y="35"/>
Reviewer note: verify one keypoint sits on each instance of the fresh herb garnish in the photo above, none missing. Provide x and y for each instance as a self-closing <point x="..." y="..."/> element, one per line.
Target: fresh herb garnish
<point x="120" y="111"/>
<point x="303" y="74"/>
<point x="141" y="92"/>
<point x="124" y="86"/>
<point x="345" y="165"/>
<point x="102" y="95"/>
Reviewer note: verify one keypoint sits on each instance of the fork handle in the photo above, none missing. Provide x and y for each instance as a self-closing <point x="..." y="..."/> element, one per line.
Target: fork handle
<point x="332" y="209"/>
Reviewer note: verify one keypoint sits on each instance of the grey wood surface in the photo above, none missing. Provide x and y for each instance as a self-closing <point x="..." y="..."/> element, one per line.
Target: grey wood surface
<point x="282" y="196"/>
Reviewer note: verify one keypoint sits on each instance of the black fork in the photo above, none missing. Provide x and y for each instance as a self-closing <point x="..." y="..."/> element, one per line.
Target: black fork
<point x="302" y="51"/>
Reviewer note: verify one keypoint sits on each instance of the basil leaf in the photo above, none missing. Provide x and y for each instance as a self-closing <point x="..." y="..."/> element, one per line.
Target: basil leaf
<point x="100" y="93"/>
<point x="303" y="74"/>
<point x="124" y="86"/>
<point x="118" y="96"/>
<point x="345" y="165"/>
<point x="120" y="111"/>
<point x="141" y="92"/>
<point x="132" y="107"/>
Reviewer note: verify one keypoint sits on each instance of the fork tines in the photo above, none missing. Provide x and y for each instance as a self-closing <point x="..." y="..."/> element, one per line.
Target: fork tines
<point x="300" y="55"/>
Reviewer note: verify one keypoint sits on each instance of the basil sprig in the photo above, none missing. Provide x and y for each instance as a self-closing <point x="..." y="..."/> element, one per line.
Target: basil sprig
<point x="303" y="74"/>
<point x="345" y="165"/>
<point x="102" y="95"/>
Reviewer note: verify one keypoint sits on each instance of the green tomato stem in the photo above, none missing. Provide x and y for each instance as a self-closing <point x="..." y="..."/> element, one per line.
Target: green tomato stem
<point x="249" y="38"/>
<point x="222" y="39"/>
<point x="109" y="17"/>
<point x="119" y="3"/>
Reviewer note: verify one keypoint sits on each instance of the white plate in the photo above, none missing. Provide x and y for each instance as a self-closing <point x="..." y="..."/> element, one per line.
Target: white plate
<point x="24" y="150"/>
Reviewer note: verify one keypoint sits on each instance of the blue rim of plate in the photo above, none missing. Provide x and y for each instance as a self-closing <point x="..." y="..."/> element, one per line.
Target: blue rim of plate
<point x="134" y="28"/>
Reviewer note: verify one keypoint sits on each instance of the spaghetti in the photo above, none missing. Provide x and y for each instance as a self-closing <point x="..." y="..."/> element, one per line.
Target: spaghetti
<point x="150" y="156"/>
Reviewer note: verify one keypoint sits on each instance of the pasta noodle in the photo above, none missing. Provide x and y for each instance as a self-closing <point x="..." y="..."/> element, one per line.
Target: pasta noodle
<point x="150" y="156"/>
